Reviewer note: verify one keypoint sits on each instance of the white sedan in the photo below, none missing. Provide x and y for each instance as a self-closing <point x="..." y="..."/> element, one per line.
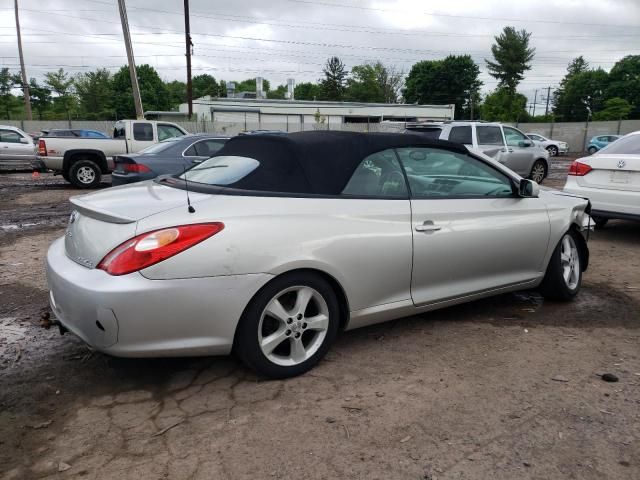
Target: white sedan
<point x="610" y="179"/>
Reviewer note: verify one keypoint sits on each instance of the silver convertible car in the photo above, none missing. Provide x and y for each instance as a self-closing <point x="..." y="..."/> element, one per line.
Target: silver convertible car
<point x="280" y="242"/>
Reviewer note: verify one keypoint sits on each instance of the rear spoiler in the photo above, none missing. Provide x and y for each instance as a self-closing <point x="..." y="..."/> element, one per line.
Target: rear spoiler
<point x="98" y="214"/>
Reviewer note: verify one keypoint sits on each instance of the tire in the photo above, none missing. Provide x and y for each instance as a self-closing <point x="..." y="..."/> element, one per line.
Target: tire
<point x="274" y="312"/>
<point x="85" y="174"/>
<point x="600" y="221"/>
<point x="592" y="150"/>
<point x="564" y="273"/>
<point x="538" y="171"/>
<point x="553" y="150"/>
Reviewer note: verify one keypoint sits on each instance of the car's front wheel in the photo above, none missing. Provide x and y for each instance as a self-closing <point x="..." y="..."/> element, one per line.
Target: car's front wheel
<point x="288" y="326"/>
<point x="538" y="171"/>
<point x="553" y="150"/>
<point x="564" y="273"/>
<point x="592" y="150"/>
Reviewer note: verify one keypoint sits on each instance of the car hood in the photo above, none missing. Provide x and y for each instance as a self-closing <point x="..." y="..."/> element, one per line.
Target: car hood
<point x="130" y="203"/>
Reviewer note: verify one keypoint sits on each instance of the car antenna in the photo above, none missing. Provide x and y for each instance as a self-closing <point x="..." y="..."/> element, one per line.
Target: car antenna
<point x="190" y="208"/>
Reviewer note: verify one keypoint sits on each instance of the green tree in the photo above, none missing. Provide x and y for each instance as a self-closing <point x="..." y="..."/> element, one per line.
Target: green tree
<point x="204" y="85"/>
<point x="95" y="94"/>
<point x="40" y="97"/>
<point x="363" y="85"/>
<point x="249" y="85"/>
<point x="582" y="94"/>
<point x="8" y="101"/>
<point x="153" y="91"/>
<point x="333" y="85"/>
<point x="502" y="105"/>
<point x="279" y="93"/>
<point x="177" y="91"/>
<point x="62" y="84"/>
<point x="511" y="58"/>
<point x="614" y="109"/>
<point x="562" y="105"/>
<point x="222" y="89"/>
<point x="624" y="82"/>
<point x="453" y="80"/>
<point x="306" y="91"/>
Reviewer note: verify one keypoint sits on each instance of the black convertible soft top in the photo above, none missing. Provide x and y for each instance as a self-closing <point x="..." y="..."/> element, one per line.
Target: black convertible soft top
<point x="315" y="162"/>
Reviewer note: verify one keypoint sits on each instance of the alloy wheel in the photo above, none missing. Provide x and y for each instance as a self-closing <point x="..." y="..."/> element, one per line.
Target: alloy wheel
<point x="553" y="150"/>
<point x="570" y="262"/>
<point x="293" y="325"/>
<point x="537" y="173"/>
<point x="86" y="175"/>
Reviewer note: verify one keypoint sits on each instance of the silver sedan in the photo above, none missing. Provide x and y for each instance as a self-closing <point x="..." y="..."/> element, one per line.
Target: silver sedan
<point x="280" y="242"/>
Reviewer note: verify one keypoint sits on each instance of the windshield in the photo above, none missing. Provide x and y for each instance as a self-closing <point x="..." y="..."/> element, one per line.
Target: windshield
<point x="162" y="146"/>
<point x="221" y="170"/>
<point x="626" y="145"/>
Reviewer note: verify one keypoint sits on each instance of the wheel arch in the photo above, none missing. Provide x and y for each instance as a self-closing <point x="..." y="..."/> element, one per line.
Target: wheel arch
<point x="581" y="243"/>
<point x="97" y="156"/>
<point x="341" y="296"/>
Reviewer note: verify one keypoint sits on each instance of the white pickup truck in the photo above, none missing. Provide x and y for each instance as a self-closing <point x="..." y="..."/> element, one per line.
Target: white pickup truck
<point x="83" y="161"/>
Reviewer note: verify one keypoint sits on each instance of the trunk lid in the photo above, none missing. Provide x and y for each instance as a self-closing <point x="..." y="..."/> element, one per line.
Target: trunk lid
<point x="103" y="220"/>
<point x="612" y="171"/>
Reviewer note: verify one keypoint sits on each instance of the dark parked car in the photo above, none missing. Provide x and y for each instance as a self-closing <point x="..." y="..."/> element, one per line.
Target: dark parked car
<point x="76" y="132"/>
<point x="171" y="156"/>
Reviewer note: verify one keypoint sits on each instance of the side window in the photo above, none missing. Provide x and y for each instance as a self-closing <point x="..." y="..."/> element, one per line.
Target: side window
<point x="378" y="175"/>
<point x="191" y="151"/>
<point x="461" y="135"/>
<point x="208" y="148"/>
<point x="167" y="131"/>
<point x="9" y="136"/>
<point x="119" y="131"/>
<point x="513" y="136"/>
<point x="143" y="132"/>
<point x="436" y="173"/>
<point x="488" y="135"/>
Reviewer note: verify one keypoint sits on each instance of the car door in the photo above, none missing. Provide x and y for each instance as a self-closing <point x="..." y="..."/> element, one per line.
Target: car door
<point x="490" y="141"/>
<point x="520" y="152"/>
<point x="471" y="233"/>
<point x="143" y="136"/>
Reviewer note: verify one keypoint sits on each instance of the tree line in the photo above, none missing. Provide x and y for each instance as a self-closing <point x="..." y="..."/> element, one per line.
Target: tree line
<point x="583" y="93"/>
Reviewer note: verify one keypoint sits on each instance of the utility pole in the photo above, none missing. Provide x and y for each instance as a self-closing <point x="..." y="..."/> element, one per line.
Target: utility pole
<point x="546" y="110"/>
<point x="189" y="44"/>
<point x="132" y="63"/>
<point x="25" y="83"/>
<point x="535" y="99"/>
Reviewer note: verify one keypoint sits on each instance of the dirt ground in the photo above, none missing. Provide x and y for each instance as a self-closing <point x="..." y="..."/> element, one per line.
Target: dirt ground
<point x="504" y="388"/>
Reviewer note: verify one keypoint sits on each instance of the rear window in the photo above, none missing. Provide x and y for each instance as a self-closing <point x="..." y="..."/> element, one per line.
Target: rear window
<point x="461" y="135"/>
<point x="162" y="146"/>
<point x="625" y="145"/>
<point x="224" y="170"/>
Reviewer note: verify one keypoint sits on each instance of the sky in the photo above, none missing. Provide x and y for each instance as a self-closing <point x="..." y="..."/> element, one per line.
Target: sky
<point x="280" y="39"/>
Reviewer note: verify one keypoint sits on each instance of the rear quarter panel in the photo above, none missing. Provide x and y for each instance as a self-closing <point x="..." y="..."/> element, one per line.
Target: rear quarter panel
<point x="366" y="245"/>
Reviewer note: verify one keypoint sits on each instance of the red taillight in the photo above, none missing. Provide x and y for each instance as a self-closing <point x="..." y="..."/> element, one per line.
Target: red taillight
<point x="153" y="247"/>
<point x="42" y="148"/>
<point x="134" y="167"/>
<point x="578" y="169"/>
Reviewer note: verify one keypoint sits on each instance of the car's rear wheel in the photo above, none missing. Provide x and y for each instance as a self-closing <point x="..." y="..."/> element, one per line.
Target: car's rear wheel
<point x="85" y="174"/>
<point x="553" y="150"/>
<point x="288" y="326"/>
<point x="600" y="222"/>
<point x="538" y="171"/>
<point x="592" y="150"/>
<point x="564" y="273"/>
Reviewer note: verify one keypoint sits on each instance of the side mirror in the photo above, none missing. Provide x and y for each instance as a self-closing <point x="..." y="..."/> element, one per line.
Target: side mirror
<point x="24" y="140"/>
<point x="526" y="143"/>
<point x="528" y="189"/>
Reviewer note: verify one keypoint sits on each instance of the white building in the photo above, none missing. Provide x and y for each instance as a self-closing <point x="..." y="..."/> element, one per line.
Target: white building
<point x="296" y="115"/>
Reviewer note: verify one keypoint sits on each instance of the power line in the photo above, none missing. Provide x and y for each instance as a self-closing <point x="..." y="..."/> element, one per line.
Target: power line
<point x="467" y="17"/>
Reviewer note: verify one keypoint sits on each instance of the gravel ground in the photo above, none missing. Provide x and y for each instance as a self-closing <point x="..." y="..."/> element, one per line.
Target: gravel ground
<point x="507" y="387"/>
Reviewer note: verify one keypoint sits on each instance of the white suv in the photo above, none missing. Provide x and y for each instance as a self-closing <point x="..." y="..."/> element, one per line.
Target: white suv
<point x="507" y="145"/>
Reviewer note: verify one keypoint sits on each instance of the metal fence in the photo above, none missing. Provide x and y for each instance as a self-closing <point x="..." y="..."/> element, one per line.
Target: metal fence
<point x="576" y="134"/>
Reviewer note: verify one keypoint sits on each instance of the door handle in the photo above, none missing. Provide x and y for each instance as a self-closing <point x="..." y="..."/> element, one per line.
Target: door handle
<point x="507" y="150"/>
<point x="427" y="227"/>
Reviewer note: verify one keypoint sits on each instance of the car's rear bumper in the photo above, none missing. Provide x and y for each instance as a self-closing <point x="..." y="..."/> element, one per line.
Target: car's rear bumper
<point x="132" y="316"/>
<point x="623" y="203"/>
